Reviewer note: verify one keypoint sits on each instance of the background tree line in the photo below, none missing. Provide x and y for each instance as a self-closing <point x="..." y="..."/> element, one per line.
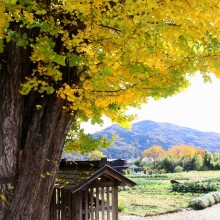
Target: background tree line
<point x="178" y="158"/>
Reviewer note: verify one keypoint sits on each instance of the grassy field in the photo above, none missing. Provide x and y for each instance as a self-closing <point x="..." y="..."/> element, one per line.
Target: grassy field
<point x="153" y="193"/>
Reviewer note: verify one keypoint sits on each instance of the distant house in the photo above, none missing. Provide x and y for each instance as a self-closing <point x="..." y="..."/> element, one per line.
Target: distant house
<point x="86" y="190"/>
<point x="133" y="169"/>
<point x="118" y="164"/>
<point x="133" y="166"/>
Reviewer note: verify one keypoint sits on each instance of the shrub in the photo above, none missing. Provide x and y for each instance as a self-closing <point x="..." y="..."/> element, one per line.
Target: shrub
<point x="194" y="187"/>
<point x="121" y="207"/>
<point x="178" y="169"/>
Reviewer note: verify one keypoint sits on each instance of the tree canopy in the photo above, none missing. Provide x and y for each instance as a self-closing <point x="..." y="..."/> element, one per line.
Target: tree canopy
<point x="185" y="151"/>
<point x="115" y="53"/>
<point x="96" y="155"/>
<point x="155" y="153"/>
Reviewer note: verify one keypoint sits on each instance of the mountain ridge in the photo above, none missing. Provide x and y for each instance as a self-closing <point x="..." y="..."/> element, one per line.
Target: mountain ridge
<point x="144" y="134"/>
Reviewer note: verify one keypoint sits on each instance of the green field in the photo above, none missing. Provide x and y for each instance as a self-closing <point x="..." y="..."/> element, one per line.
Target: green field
<point x="153" y="193"/>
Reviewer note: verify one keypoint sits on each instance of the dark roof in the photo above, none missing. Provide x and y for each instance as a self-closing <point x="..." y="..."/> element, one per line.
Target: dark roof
<point x="83" y="164"/>
<point x="76" y="179"/>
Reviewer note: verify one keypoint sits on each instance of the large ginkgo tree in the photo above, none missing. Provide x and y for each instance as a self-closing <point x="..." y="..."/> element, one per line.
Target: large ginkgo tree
<point x="64" y="62"/>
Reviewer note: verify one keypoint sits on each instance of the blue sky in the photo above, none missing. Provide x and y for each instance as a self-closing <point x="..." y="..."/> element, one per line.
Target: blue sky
<point x="198" y="108"/>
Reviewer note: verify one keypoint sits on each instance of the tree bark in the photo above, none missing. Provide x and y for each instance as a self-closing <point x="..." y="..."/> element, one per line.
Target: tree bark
<point x="11" y="117"/>
<point x="31" y="141"/>
<point x="39" y="162"/>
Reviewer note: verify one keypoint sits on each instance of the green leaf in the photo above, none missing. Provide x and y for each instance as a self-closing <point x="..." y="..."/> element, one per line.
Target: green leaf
<point x="54" y="32"/>
<point x="10" y="2"/>
<point x="50" y="90"/>
<point x="61" y="60"/>
<point x="136" y="68"/>
<point x="21" y="43"/>
<point x="107" y="71"/>
<point x="2" y="197"/>
<point x="147" y="36"/>
<point x="75" y="60"/>
<point x="38" y="107"/>
<point x="25" y="88"/>
<point x="44" y="27"/>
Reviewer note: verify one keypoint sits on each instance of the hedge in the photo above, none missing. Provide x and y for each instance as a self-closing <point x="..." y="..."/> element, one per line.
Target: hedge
<point x="194" y="187"/>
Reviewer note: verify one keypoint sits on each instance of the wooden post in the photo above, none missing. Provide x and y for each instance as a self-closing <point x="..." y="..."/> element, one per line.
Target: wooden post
<point x="69" y="201"/>
<point x="77" y="205"/>
<point x="64" y="205"/>
<point x="59" y="205"/>
<point x="53" y="206"/>
<point x="114" y="203"/>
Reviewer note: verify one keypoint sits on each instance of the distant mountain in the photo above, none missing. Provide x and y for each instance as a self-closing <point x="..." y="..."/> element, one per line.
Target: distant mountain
<point x="145" y="134"/>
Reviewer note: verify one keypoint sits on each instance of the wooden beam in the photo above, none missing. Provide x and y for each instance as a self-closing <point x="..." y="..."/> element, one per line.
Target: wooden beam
<point x="101" y="184"/>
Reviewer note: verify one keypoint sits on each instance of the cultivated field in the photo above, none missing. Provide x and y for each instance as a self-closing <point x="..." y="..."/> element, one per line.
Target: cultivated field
<point x="153" y="194"/>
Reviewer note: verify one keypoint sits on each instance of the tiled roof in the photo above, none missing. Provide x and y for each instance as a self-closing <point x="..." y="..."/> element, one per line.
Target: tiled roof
<point x="73" y="176"/>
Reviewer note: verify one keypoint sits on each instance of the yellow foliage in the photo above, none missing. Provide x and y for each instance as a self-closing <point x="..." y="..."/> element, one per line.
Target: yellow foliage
<point x="184" y="151"/>
<point x="155" y="153"/>
<point x="103" y="56"/>
<point x="96" y="155"/>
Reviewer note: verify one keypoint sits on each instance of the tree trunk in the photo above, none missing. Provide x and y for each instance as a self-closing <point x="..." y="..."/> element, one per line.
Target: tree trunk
<point x="31" y="141"/>
<point x="39" y="162"/>
<point x="11" y="117"/>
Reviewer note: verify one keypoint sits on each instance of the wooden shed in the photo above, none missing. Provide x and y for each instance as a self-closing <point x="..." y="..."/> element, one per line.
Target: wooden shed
<point x="84" y="191"/>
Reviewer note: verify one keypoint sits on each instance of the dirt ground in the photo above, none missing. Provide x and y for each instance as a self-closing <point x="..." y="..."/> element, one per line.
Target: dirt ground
<point x="211" y="213"/>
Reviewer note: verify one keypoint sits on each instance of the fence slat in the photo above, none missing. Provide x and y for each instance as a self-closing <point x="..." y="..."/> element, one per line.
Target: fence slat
<point x="69" y="205"/>
<point x="64" y="205"/>
<point x="53" y="206"/>
<point x="108" y="203"/>
<point x="86" y="205"/>
<point x="103" y="202"/>
<point x="97" y="205"/>
<point x="92" y="203"/>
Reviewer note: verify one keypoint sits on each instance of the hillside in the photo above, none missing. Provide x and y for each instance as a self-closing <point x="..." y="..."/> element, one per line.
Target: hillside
<point x="145" y="134"/>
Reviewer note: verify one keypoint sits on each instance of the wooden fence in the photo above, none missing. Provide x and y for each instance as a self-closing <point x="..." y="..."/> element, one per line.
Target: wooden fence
<point x="93" y="203"/>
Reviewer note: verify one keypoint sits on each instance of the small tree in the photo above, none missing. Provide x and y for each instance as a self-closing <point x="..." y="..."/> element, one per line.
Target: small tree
<point x="96" y="155"/>
<point x="168" y="163"/>
<point x="178" y="169"/>
<point x="207" y="161"/>
<point x="197" y="162"/>
<point x="155" y="153"/>
<point x="184" y="151"/>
